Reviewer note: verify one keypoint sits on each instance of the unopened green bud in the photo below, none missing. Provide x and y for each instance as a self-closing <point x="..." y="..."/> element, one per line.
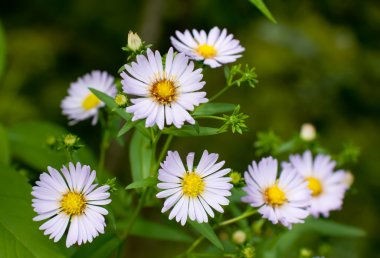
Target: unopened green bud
<point x="235" y="177"/>
<point x="51" y="140"/>
<point x="134" y="41"/>
<point x="70" y="140"/>
<point x="121" y="100"/>
<point x="248" y="252"/>
<point x="305" y="253"/>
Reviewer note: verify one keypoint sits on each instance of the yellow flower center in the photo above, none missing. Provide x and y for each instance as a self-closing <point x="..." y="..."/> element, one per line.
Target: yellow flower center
<point x="314" y="185"/>
<point x="274" y="196"/>
<point x="192" y="185"/>
<point x="206" y="51"/>
<point x="73" y="203"/>
<point x="90" y="102"/>
<point x="164" y="91"/>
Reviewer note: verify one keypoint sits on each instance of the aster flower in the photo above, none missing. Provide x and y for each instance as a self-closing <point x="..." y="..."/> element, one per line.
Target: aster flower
<point x="328" y="187"/>
<point x="70" y="199"/>
<point x="193" y="190"/>
<point x="164" y="92"/>
<point x="284" y="199"/>
<point x="216" y="48"/>
<point x="81" y="103"/>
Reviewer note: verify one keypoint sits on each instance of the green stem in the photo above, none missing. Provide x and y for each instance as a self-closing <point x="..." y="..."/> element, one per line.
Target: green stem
<point x="233" y="220"/>
<point x="135" y="213"/>
<point x="221" y="224"/>
<point x="163" y="151"/>
<point x="220" y="92"/>
<point x="195" y="244"/>
<point x="212" y="117"/>
<point x="103" y="149"/>
<point x="70" y="156"/>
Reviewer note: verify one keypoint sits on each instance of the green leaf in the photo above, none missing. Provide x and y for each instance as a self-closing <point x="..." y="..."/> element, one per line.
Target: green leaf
<point x="209" y="109"/>
<point x="4" y="147"/>
<point x="127" y="127"/>
<point x="140" y="155"/>
<point x="263" y="9"/>
<point x="19" y="235"/>
<point x="331" y="228"/>
<point x="149" y="229"/>
<point x="190" y="130"/>
<point x="28" y="143"/>
<point x="2" y="50"/>
<point x="146" y="182"/>
<point x="102" y="246"/>
<point x="110" y="102"/>
<point x="206" y="230"/>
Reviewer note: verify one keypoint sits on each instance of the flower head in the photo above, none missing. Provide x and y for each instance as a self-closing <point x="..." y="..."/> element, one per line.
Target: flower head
<point x="215" y="49"/>
<point x="284" y="199"/>
<point x="328" y="187"/>
<point x="81" y="102"/>
<point x="193" y="190"/>
<point x="164" y="92"/>
<point x="70" y="197"/>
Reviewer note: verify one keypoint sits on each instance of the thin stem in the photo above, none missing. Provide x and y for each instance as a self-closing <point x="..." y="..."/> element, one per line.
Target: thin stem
<point x="233" y="220"/>
<point x="103" y="149"/>
<point x="195" y="244"/>
<point x="220" y="92"/>
<point x="135" y="213"/>
<point x="163" y="151"/>
<point x="221" y="224"/>
<point x="70" y="156"/>
<point x="212" y="117"/>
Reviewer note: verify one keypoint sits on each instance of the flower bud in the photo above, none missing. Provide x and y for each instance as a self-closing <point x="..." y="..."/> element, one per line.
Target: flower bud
<point x="134" y="41"/>
<point x="308" y="132"/>
<point x="51" y="141"/>
<point x="235" y="177"/>
<point x="239" y="237"/>
<point x="70" y="140"/>
<point x="348" y="179"/>
<point x="121" y="100"/>
<point x="305" y="253"/>
<point x="248" y="252"/>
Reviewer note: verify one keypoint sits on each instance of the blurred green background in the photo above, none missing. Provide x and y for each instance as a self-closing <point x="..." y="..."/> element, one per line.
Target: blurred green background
<point x="319" y="64"/>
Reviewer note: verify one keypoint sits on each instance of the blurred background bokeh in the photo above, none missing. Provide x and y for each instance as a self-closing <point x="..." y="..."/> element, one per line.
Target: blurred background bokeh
<point x="319" y="64"/>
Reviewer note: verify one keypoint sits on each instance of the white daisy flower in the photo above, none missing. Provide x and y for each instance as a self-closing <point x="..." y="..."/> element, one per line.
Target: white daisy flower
<point x="81" y="102"/>
<point x="284" y="199"/>
<point x="70" y="199"/>
<point x="193" y="190"/>
<point x="216" y="48"/>
<point x="328" y="187"/>
<point x="164" y="92"/>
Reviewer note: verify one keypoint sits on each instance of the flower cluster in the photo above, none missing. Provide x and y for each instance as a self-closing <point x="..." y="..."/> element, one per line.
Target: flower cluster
<point x="165" y="90"/>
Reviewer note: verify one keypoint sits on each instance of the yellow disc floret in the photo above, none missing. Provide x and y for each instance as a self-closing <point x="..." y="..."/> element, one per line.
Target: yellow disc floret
<point x="90" y="102"/>
<point x="73" y="203"/>
<point x="206" y="51"/>
<point x="164" y="91"/>
<point x="274" y="196"/>
<point x="314" y="185"/>
<point x="192" y="185"/>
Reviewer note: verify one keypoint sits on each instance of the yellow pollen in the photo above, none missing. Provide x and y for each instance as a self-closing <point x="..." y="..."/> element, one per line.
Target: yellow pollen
<point x="164" y="91"/>
<point x="192" y="185"/>
<point x="206" y="51"/>
<point x="314" y="185"/>
<point x="90" y="102"/>
<point x="274" y="196"/>
<point x="73" y="203"/>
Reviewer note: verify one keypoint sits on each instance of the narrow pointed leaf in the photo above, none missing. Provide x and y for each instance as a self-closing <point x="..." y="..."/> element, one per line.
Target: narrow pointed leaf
<point x="263" y="9"/>
<point x="206" y="230"/>
<point x="146" y="182"/>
